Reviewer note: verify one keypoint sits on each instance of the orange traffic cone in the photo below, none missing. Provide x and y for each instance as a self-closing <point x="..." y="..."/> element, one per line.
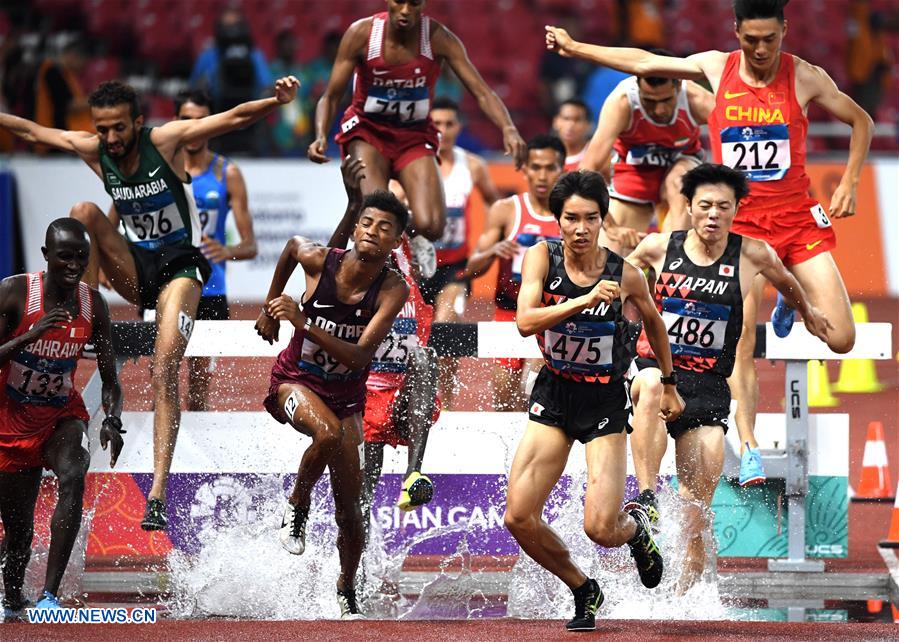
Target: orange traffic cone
<point x="892" y="540"/>
<point x="875" y="606"/>
<point x="858" y="375"/>
<point x="895" y="613"/>
<point x="875" y="484"/>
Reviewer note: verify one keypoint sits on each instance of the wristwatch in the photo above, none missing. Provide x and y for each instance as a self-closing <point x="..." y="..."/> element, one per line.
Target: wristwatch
<point x="670" y="380"/>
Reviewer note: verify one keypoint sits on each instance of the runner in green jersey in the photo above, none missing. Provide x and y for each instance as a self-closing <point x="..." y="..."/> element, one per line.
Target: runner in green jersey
<point x="157" y="263"/>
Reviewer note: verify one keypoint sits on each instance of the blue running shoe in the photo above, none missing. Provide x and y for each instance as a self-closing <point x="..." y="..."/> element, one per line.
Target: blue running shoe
<point x="782" y="317"/>
<point x="15" y="610"/>
<point x="751" y="470"/>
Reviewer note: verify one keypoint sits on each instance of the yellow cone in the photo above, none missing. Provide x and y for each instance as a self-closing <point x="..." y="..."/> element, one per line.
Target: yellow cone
<point x="858" y="375"/>
<point x="819" y="387"/>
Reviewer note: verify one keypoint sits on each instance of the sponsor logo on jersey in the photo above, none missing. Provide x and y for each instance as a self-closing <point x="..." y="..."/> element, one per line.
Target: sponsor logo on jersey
<point x="676" y="263"/>
<point x="556" y="283"/>
<point x="730" y="95"/>
<point x="602" y="424"/>
<point x="812" y="246"/>
<point x="754" y="114"/>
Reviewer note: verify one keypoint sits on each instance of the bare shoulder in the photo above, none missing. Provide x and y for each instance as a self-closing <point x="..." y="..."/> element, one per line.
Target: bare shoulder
<point x="395" y="284"/>
<point x="12" y="294"/>
<point x="475" y="162"/>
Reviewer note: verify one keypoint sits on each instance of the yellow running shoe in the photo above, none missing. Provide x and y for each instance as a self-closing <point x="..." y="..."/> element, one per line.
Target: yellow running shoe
<point x="417" y="490"/>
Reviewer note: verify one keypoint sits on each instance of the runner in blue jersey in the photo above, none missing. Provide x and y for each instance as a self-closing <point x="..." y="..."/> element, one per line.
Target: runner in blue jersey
<point x="158" y="263"/>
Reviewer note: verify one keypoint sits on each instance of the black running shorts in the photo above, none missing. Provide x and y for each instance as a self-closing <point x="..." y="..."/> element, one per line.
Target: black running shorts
<point x="155" y="268"/>
<point x="444" y="275"/>
<point x="213" y="308"/>
<point x="584" y="411"/>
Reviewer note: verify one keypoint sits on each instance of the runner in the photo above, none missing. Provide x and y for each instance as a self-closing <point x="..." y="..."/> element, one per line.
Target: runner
<point x="572" y="125"/>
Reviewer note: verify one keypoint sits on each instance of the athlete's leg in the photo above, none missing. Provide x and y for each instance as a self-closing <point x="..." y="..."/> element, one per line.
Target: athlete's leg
<point x="346" y="483"/>
<point x="604" y="522"/>
<point x="445" y="312"/>
<point x="506" y="387"/>
<point x="743" y="382"/>
<point x="377" y="169"/>
<point x="649" y="439"/>
<point x="199" y="375"/>
<point x="420" y="398"/>
<point x="627" y="214"/>
<point x="700" y="459"/>
<point x="175" y="314"/>
<point x="18" y="495"/>
<point x="820" y="278"/>
<point x="109" y="250"/>
<point x="538" y="464"/>
<point x="313" y="418"/>
<point x="424" y="190"/>
<point x="69" y="460"/>
<point x="677" y="217"/>
<point x="374" y="462"/>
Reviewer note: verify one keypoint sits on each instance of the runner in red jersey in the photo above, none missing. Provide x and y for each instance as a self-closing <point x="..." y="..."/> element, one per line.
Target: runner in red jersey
<point x="513" y="225"/>
<point x="572" y="125"/>
<point x="758" y="127"/>
<point x="318" y="381"/>
<point x="646" y="138"/>
<point x="46" y="318"/>
<point x="394" y="59"/>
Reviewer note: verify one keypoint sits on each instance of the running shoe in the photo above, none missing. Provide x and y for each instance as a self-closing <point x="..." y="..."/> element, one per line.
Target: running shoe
<point x="648" y="502"/>
<point x="48" y="601"/>
<point x="16" y="610"/>
<point x="425" y="256"/>
<point x="586" y="604"/>
<point x="417" y="490"/>
<point x="349" y="610"/>
<point x="782" y="317"/>
<point x="154" y="517"/>
<point x="752" y="471"/>
<point x="293" y="529"/>
<point x="645" y="551"/>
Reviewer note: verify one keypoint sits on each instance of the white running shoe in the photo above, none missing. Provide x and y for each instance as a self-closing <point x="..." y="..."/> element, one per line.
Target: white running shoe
<point x="349" y="610"/>
<point x="425" y="256"/>
<point x="292" y="533"/>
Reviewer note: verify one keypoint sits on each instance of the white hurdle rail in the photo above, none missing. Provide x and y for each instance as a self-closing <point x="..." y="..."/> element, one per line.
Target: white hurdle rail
<point x="502" y="340"/>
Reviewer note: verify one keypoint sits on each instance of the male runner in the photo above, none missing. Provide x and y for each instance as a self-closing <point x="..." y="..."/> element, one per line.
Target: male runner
<point x="461" y="172"/>
<point x="159" y="263"/>
<point x="318" y="382"/>
<point x="395" y="58"/>
<point x="46" y="318"/>
<point x="701" y="279"/>
<point x="759" y="126"/>
<point x="572" y="125"/>
<point x="572" y="297"/>
<point x="513" y="225"/>
<point x="648" y="136"/>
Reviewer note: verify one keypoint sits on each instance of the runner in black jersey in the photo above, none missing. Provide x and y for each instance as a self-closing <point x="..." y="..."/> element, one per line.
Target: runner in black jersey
<point x="572" y="297"/>
<point x="317" y="384"/>
<point x="158" y="263"/>
<point x="701" y="278"/>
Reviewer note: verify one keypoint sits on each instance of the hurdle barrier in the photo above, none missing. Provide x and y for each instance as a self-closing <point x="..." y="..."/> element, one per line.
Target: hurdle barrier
<point x="495" y="339"/>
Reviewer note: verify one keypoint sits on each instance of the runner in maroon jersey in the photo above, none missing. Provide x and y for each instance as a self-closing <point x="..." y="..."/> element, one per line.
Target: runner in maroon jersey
<point x="45" y="321"/>
<point x="394" y="58"/>
<point x="318" y="382"/>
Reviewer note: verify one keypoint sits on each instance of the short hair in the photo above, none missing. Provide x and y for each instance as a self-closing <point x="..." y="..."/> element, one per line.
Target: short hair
<point x="712" y="174"/>
<point x="387" y="201"/>
<point x="67" y="224"/>
<point x="759" y="10"/>
<point x="584" y="183"/>
<point x="548" y="141"/>
<point x="658" y="81"/>
<point x="199" y="97"/>
<point x="580" y="104"/>
<point x="443" y="102"/>
<point x="113" y="93"/>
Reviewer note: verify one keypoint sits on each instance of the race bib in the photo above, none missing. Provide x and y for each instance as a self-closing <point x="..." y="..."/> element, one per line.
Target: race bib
<point x="315" y="360"/>
<point x="454" y="231"/>
<point x="651" y="155"/>
<point x="695" y="328"/>
<point x="393" y="353"/>
<point x="762" y="152"/>
<point x="402" y="106"/>
<point x="41" y="383"/>
<point x="582" y="347"/>
<point x="820" y="216"/>
<point x="152" y="230"/>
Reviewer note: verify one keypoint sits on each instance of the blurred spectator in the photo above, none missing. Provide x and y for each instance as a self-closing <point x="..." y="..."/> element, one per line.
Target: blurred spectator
<point x="869" y="56"/>
<point x="642" y="23"/>
<point x="562" y="78"/>
<point x="59" y="99"/>
<point x="315" y="77"/>
<point x="233" y="71"/>
<point x="292" y="131"/>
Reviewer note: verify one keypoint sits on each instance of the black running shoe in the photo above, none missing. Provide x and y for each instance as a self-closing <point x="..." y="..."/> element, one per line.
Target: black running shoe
<point x="349" y="610"/>
<point x="648" y="502"/>
<point x="645" y="551"/>
<point x="154" y="517"/>
<point x="586" y="604"/>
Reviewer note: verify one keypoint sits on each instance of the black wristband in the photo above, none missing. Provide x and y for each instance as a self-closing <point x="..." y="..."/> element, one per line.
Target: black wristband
<point x="115" y="423"/>
<point x="670" y="380"/>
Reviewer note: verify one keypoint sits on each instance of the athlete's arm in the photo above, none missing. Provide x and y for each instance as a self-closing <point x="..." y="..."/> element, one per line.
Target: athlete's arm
<point x="492" y="242"/>
<point x="614" y="118"/>
<point x="12" y="305"/>
<point x="84" y="144"/>
<point x="353" y="171"/>
<point x="823" y="91"/>
<point x="635" y="291"/>
<point x="637" y="61"/>
<point x="764" y="260"/>
<point x="531" y="317"/>
<point x="353" y="42"/>
<point x="111" y="394"/>
<point x="650" y="252"/>
<point x="701" y="102"/>
<point x="447" y="45"/>
<point x="237" y="195"/>
<point x="480" y="176"/>
<point x="176" y="133"/>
